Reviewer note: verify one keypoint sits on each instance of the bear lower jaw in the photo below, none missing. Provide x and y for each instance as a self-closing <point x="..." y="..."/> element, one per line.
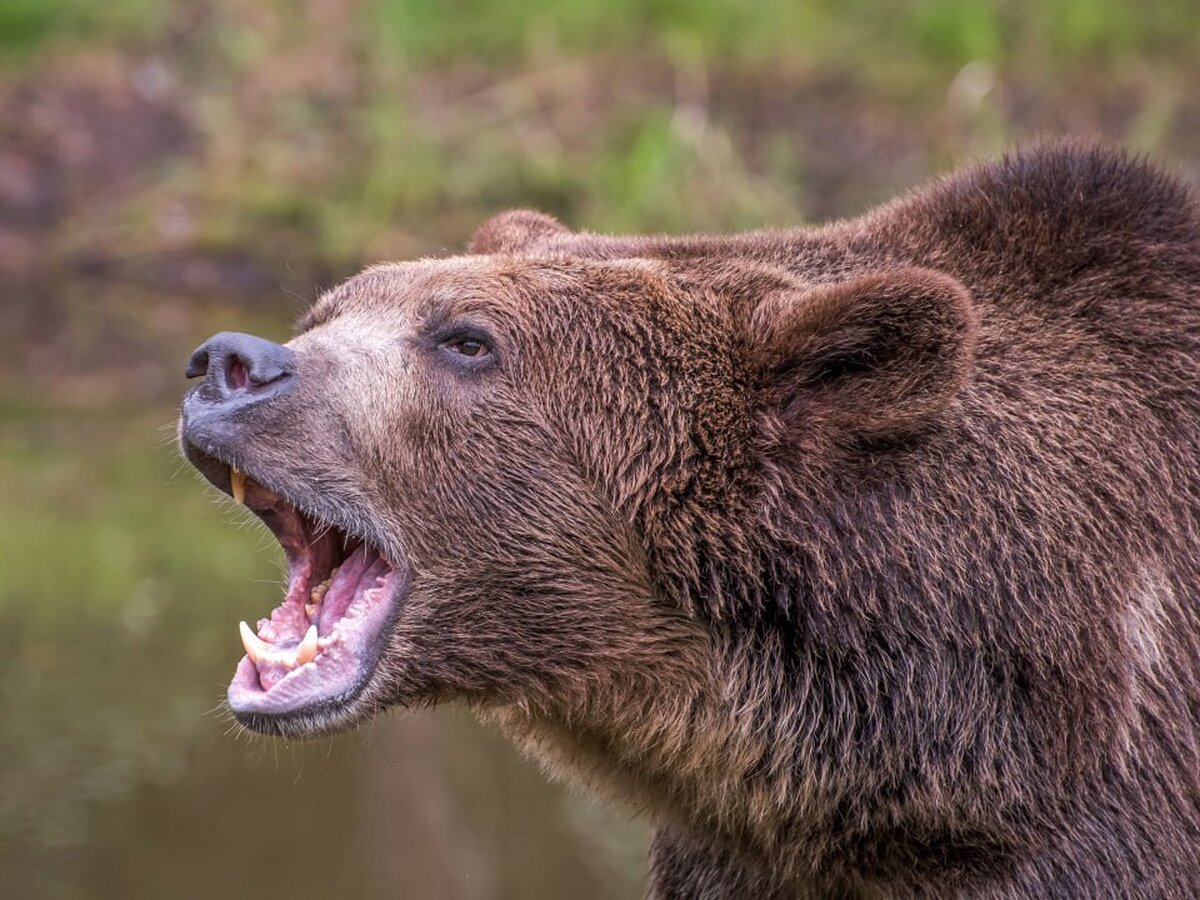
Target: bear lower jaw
<point x="320" y="647"/>
<point x="308" y="655"/>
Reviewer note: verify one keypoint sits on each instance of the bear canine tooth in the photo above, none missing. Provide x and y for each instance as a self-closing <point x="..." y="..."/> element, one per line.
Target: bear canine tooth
<point x="237" y="484"/>
<point x="261" y="651"/>
<point x="255" y="646"/>
<point x="307" y="650"/>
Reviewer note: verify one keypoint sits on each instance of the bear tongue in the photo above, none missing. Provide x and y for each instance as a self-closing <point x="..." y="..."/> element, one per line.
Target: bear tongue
<point x="366" y="568"/>
<point x="336" y="597"/>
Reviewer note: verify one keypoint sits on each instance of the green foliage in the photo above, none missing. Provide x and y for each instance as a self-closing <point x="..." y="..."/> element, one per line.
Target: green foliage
<point x="930" y="33"/>
<point x="389" y="128"/>
<point x="417" y="33"/>
<point x="957" y="31"/>
<point x="26" y="26"/>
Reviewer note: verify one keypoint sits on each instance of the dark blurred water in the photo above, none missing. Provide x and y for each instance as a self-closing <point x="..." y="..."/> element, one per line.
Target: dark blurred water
<point x="122" y="580"/>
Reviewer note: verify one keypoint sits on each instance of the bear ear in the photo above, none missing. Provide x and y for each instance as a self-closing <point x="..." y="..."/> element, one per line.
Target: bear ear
<point x="872" y="357"/>
<point x="515" y="231"/>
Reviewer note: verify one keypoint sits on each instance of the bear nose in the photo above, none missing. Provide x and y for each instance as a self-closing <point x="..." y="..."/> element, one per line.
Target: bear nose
<point x="241" y="366"/>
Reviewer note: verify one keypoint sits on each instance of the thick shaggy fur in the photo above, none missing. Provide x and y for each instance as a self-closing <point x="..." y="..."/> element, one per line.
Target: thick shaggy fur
<point x="864" y="559"/>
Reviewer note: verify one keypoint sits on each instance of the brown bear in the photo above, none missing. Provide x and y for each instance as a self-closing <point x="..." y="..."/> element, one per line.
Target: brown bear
<point x="865" y="559"/>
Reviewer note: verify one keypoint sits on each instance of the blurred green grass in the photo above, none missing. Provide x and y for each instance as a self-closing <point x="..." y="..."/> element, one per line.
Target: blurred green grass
<point x="28" y="26"/>
<point x="327" y="133"/>
<point x="939" y="33"/>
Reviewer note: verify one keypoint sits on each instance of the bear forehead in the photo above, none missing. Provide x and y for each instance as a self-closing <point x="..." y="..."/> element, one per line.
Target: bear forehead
<point x="465" y="284"/>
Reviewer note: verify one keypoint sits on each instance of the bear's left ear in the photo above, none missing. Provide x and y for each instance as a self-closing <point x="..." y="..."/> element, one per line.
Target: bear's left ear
<point x="875" y="356"/>
<point x="515" y="231"/>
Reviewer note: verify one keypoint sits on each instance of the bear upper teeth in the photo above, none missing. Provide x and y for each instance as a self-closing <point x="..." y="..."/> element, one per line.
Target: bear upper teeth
<point x="237" y="484"/>
<point x="312" y="609"/>
<point x="317" y="594"/>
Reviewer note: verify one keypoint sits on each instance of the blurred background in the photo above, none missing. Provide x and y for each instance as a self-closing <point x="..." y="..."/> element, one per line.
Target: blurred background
<point x="169" y="169"/>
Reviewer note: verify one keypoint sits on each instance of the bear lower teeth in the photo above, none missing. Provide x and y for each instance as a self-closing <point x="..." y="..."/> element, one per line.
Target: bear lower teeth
<point x="290" y="657"/>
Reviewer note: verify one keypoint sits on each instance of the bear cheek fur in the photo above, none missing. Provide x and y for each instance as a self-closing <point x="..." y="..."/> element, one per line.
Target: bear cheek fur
<point x="524" y="498"/>
<point x="646" y="391"/>
<point x="683" y="472"/>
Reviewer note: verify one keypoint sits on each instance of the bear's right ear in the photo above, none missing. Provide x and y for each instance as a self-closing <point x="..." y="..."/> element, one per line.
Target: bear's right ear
<point x="875" y="356"/>
<point x="515" y="231"/>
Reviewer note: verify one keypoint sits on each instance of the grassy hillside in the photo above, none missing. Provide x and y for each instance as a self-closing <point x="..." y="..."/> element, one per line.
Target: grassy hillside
<point x="308" y="137"/>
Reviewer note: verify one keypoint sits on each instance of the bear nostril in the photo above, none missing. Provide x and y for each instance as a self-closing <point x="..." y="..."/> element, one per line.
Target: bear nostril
<point x="238" y="377"/>
<point x="234" y="363"/>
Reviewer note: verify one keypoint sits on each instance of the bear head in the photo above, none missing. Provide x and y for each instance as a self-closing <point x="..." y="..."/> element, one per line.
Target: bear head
<point x="532" y="478"/>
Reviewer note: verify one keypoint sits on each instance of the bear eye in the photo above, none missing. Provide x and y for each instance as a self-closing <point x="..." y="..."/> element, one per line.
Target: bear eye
<point x="467" y="347"/>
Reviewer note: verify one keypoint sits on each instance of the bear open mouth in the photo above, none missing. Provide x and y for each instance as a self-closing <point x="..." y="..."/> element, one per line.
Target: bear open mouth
<point x="319" y="647"/>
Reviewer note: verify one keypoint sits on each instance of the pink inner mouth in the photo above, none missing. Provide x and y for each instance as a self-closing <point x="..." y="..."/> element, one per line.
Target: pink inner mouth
<point x="320" y="644"/>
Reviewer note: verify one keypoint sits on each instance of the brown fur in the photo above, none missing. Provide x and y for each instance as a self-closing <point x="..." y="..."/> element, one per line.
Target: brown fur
<point x="864" y="559"/>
